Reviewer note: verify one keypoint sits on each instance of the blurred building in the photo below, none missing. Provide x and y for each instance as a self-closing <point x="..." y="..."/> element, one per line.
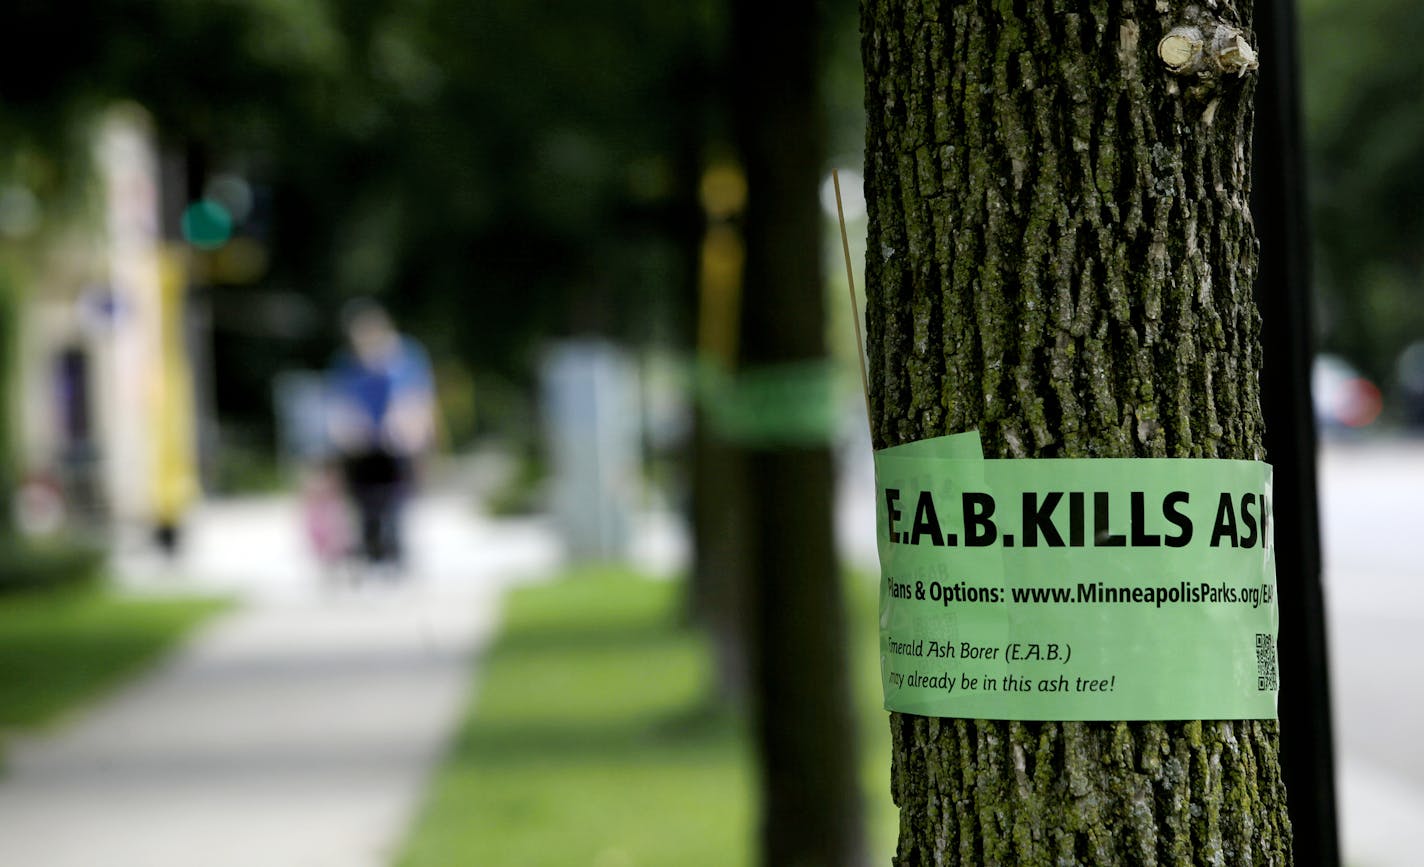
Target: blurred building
<point x="106" y="394"/>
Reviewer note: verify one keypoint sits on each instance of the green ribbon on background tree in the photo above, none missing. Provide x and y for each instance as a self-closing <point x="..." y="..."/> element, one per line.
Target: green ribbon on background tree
<point x="792" y="403"/>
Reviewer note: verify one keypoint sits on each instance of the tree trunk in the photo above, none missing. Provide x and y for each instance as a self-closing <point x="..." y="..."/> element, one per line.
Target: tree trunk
<point x="1060" y="256"/>
<point x="719" y="557"/>
<point x="800" y="687"/>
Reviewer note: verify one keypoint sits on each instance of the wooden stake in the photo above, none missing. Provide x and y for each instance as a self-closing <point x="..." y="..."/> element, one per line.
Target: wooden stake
<point x="854" y="306"/>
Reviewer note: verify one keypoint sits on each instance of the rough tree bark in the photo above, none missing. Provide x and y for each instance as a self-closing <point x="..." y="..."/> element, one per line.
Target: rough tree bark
<point x="800" y="688"/>
<point x="1061" y="256"/>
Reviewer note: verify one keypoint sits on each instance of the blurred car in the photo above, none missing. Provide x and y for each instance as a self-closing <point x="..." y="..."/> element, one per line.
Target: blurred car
<point x="1344" y="400"/>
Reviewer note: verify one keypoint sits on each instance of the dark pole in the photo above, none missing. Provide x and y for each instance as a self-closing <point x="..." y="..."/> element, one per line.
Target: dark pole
<point x="1283" y="293"/>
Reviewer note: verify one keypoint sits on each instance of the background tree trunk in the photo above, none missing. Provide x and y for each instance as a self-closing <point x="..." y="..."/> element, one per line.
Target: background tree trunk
<point x="1060" y="255"/>
<point x="719" y="560"/>
<point x="801" y="704"/>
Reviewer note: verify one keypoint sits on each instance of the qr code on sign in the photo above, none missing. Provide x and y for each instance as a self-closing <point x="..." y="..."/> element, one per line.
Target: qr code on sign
<point x="1267" y="675"/>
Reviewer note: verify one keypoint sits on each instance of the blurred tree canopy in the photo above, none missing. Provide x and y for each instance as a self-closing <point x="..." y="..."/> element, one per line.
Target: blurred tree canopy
<point x="492" y="171"/>
<point x="1364" y="114"/>
<point x="504" y="168"/>
<point x="496" y="168"/>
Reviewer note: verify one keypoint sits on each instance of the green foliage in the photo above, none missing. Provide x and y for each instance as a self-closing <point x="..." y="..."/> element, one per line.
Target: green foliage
<point x="1364" y="118"/>
<point x="59" y="650"/>
<point x="243" y="468"/>
<point x="517" y="165"/>
<point x="496" y="171"/>
<point x="29" y="567"/>
<point x="523" y="492"/>
<point x="590" y="738"/>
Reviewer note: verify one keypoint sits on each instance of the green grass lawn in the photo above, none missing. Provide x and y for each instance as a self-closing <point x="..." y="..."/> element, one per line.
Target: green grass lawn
<point x="591" y="742"/>
<point x="59" y="650"/>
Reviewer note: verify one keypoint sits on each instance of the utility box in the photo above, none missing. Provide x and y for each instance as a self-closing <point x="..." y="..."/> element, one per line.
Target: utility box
<point x="593" y="435"/>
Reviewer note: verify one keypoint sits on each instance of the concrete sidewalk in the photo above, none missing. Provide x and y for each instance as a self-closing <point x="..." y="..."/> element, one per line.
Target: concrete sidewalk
<point x="297" y="734"/>
<point x="301" y="729"/>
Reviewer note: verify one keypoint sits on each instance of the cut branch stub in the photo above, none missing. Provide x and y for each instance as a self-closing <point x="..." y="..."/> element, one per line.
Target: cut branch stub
<point x="1222" y="50"/>
<point x="1181" y="49"/>
<point x="1232" y="52"/>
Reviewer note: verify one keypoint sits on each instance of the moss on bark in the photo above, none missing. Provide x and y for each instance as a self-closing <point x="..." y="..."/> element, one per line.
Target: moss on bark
<point x="1060" y="256"/>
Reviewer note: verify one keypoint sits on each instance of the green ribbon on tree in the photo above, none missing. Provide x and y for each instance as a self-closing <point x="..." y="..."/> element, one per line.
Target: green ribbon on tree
<point x="776" y="405"/>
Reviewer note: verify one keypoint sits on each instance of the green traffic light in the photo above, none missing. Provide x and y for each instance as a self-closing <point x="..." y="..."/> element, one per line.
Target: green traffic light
<point x="206" y="224"/>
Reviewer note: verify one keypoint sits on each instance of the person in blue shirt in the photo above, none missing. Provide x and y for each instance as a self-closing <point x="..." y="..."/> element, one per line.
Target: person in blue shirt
<point x="380" y="418"/>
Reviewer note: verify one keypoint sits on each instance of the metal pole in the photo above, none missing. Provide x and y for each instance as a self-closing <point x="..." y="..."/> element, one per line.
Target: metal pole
<point x="1283" y="293"/>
